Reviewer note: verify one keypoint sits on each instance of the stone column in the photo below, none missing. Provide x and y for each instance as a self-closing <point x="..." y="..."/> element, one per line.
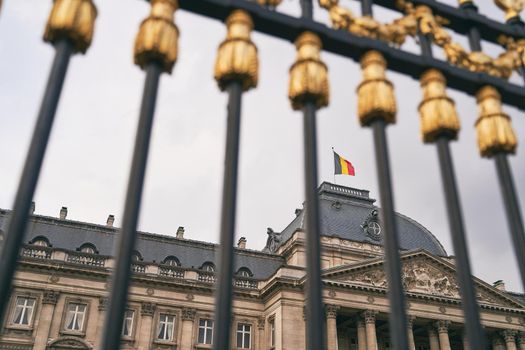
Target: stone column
<point x="370" y="325"/>
<point x="466" y="345"/>
<point x="497" y="343"/>
<point x="442" y="328"/>
<point x="331" y="326"/>
<point x="147" y="310"/>
<point x="433" y="338"/>
<point x="188" y="316"/>
<point x="102" y="306"/>
<point x="49" y="300"/>
<point x="261" y="321"/>
<point x="510" y="339"/>
<point x="411" y="341"/>
<point x="521" y="340"/>
<point x="361" y="334"/>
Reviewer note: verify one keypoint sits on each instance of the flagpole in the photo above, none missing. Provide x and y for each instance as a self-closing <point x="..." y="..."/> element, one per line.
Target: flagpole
<point x="334" y="166"/>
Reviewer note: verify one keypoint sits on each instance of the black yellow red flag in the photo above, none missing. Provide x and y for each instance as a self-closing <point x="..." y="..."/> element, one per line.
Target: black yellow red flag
<point x="342" y="166"/>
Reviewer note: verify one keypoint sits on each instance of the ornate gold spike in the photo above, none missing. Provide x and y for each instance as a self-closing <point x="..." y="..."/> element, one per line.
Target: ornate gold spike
<point x="462" y="2"/>
<point x="270" y="3"/>
<point x="73" y="20"/>
<point x="158" y="36"/>
<point x="375" y="93"/>
<point x="494" y="128"/>
<point x="237" y="55"/>
<point x="437" y="110"/>
<point x="308" y="75"/>
<point x="512" y="8"/>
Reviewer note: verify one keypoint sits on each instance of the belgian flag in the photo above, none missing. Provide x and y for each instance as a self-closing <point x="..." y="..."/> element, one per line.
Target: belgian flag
<point x="342" y="166"/>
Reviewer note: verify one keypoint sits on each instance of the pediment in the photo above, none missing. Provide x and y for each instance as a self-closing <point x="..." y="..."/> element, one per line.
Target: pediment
<point x="423" y="274"/>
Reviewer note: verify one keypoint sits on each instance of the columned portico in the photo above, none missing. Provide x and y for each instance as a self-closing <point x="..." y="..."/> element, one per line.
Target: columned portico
<point x="361" y="334"/>
<point x="521" y="340"/>
<point x="370" y="325"/>
<point x="497" y="343"/>
<point x="509" y="336"/>
<point x="433" y="338"/>
<point x="146" y="311"/>
<point x="331" y="326"/>
<point x="188" y="316"/>
<point x="46" y="316"/>
<point x="411" y="341"/>
<point x="442" y="328"/>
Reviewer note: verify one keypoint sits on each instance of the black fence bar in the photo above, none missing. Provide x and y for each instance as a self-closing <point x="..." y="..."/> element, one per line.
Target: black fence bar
<point x="512" y="209"/>
<point x="315" y="320"/>
<point x="506" y="181"/>
<point x="397" y="316"/>
<point x="127" y="236"/>
<point x="286" y="27"/>
<point x="223" y="308"/>
<point x="475" y="334"/>
<point x="31" y="171"/>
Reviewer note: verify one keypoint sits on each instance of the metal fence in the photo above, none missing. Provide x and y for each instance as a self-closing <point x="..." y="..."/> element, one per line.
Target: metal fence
<point x="361" y="38"/>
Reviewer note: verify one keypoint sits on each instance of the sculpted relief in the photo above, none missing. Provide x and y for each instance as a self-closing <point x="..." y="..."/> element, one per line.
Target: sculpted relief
<point x="419" y="277"/>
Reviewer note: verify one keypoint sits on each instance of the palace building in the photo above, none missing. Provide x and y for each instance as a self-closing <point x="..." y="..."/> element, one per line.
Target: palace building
<point x="60" y="291"/>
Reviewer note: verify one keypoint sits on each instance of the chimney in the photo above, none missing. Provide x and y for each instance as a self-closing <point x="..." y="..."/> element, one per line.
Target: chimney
<point x="242" y="243"/>
<point x="180" y="232"/>
<point x="63" y="213"/>
<point x="32" y="209"/>
<point x="110" y="220"/>
<point x="499" y="285"/>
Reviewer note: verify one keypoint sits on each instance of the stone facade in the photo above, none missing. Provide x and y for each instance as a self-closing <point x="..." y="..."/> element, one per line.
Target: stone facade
<point x="60" y="297"/>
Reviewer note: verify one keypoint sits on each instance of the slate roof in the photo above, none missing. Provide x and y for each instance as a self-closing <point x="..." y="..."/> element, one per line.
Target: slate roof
<point x="70" y="235"/>
<point x="343" y="211"/>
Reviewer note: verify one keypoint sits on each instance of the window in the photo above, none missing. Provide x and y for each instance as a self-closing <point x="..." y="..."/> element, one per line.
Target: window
<point x="171" y="261"/>
<point x="88" y="248"/>
<point x="244" y="335"/>
<point x="127" y="327"/>
<point x="75" y="316"/>
<point x="40" y="241"/>
<point x="23" y="313"/>
<point x="166" y="327"/>
<point x="136" y="256"/>
<point x="272" y="333"/>
<point x="208" y="266"/>
<point x="205" y="331"/>
<point x="244" y="272"/>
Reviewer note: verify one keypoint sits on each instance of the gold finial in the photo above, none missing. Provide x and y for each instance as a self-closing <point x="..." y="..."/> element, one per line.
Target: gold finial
<point x="158" y="36"/>
<point x="463" y="2"/>
<point x="494" y="128"/>
<point x="73" y="20"/>
<point x="375" y="93"/>
<point x="269" y="3"/>
<point x="437" y="110"/>
<point x="512" y="8"/>
<point x="237" y="55"/>
<point x="308" y="75"/>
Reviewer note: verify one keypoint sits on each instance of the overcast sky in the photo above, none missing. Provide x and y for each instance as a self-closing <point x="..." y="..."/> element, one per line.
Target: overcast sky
<point x="87" y="161"/>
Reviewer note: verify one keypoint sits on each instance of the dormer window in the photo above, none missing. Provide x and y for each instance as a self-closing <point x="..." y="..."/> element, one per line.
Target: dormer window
<point x="171" y="261"/>
<point x="244" y="272"/>
<point x="88" y="248"/>
<point x="40" y="241"/>
<point x="136" y="256"/>
<point x="208" y="266"/>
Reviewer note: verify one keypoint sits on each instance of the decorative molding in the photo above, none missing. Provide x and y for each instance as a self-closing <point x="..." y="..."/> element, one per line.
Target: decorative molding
<point x="150" y="291"/>
<point x="331" y="293"/>
<point x="261" y="322"/>
<point x="509" y="335"/>
<point x="147" y="309"/>
<point x="369" y="316"/>
<point x="443" y="309"/>
<point x="188" y="314"/>
<point x="442" y="326"/>
<point x="103" y="303"/>
<point x="331" y="310"/>
<point x="509" y="319"/>
<point x="190" y="296"/>
<point x="370" y="299"/>
<point x="410" y="321"/>
<point x="50" y="297"/>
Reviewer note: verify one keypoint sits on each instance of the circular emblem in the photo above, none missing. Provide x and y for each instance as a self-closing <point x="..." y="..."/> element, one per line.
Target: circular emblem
<point x="374" y="230"/>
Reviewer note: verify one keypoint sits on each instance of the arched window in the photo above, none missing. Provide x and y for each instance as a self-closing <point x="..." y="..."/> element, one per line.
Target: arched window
<point x="244" y="272"/>
<point x="171" y="261"/>
<point x="136" y="256"/>
<point x="40" y="241"/>
<point x="88" y="248"/>
<point x="208" y="266"/>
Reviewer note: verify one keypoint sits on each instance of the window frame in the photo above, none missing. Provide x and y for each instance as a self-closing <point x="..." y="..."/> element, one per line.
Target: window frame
<point x="176" y="321"/>
<point x="198" y="343"/>
<point x="134" y="322"/>
<point x="272" y="332"/>
<point x="12" y="308"/>
<point x="67" y="302"/>
<point x="236" y="330"/>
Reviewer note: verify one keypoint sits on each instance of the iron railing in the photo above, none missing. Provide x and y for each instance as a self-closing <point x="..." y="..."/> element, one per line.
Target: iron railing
<point x="70" y="30"/>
